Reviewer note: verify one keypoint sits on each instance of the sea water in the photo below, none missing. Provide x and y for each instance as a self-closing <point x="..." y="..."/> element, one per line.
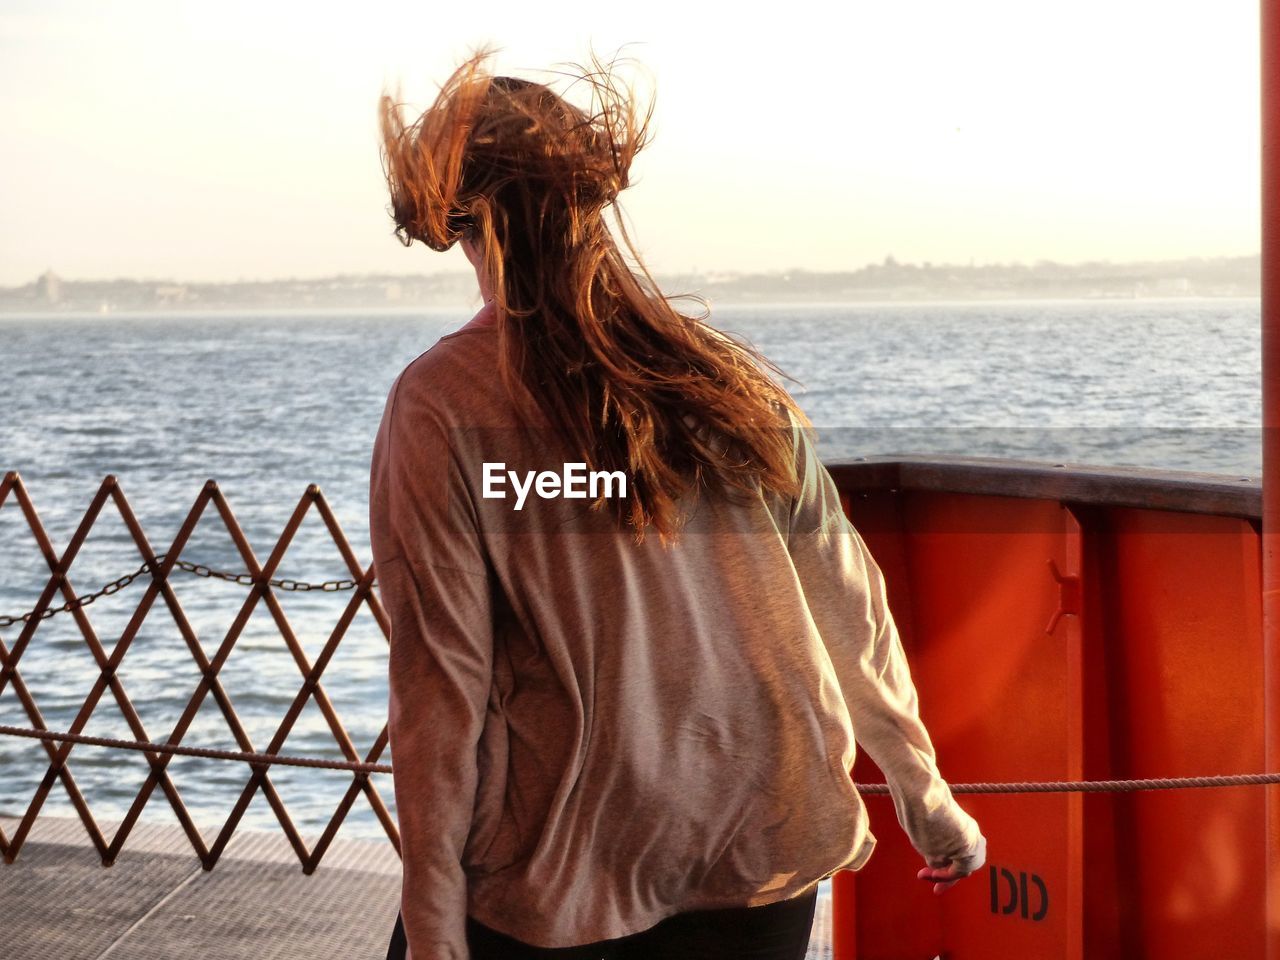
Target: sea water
<point x="268" y="403"/>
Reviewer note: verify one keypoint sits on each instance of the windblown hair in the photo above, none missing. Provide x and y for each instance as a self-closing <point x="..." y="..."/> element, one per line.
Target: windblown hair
<point x="633" y="384"/>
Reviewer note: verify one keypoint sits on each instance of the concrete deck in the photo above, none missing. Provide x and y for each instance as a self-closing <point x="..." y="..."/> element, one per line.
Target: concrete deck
<point x="57" y="901"/>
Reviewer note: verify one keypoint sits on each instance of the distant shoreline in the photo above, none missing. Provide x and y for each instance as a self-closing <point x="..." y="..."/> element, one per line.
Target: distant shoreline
<point x="462" y="312"/>
<point x="888" y="282"/>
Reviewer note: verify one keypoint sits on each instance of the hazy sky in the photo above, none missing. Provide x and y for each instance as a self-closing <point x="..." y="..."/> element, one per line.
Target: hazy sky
<point x="225" y="140"/>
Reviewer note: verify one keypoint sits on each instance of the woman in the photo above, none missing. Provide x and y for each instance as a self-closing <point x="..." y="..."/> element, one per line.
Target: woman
<point x="623" y="712"/>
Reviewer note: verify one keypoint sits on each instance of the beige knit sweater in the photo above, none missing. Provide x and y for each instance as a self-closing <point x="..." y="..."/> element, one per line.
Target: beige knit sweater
<point x="590" y="735"/>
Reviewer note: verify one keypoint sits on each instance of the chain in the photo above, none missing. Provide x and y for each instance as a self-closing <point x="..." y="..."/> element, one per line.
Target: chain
<point x="199" y="569"/>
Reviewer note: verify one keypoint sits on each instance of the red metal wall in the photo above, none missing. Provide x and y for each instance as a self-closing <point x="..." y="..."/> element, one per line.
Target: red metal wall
<point x="1270" y="54"/>
<point x="1153" y="668"/>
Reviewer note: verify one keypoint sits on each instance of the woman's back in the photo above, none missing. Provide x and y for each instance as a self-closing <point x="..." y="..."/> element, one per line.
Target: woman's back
<point x="661" y="727"/>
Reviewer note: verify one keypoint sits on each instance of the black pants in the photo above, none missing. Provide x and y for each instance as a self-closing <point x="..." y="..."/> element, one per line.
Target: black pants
<point x="775" y="931"/>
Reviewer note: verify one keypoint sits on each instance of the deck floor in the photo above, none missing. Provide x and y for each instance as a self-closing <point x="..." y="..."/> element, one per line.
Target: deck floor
<point x="57" y="901"/>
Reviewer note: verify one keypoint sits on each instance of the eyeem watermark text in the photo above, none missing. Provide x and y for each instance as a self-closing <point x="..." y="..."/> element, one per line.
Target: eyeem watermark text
<point x="573" y="482"/>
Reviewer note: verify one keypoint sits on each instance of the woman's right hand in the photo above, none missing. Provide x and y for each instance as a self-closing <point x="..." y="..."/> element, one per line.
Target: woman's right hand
<point x="944" y="874"/>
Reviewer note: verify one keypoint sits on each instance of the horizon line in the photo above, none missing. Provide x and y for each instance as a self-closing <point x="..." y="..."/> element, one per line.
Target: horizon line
<point x="888" y="261"/>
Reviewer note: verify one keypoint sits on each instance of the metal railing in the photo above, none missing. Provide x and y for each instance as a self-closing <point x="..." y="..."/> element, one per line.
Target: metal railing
<point x="1169" y="491"/>
<point x="159" y="568"/>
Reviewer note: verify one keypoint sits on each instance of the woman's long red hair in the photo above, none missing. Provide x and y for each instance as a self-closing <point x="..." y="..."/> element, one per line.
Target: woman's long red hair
<point x="613" y="366"/>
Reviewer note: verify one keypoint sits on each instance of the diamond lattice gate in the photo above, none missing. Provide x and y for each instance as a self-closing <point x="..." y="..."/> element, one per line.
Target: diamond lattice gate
<point x="263" y="587"/>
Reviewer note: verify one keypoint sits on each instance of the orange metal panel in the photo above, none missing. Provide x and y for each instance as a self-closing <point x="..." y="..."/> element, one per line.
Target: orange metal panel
<point x="1175" y="689"/>
<point x="972" y="590"/>
<point x="844" y="916"/>
<point x="1155" y="669"/>
<point x="1270" y="33"/>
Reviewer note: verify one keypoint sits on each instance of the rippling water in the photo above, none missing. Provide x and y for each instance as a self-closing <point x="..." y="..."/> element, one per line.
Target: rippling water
<point x="269" y="403"/>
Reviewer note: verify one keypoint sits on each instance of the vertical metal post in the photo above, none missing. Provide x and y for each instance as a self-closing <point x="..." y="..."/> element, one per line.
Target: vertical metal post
<point x="1270" y="52"/>
<point x="844" y="922"/>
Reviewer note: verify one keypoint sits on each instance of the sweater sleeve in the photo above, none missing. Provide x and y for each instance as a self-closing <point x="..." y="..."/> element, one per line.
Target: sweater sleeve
<point x="434" y="582"/>
<point x="845" y="592"/>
